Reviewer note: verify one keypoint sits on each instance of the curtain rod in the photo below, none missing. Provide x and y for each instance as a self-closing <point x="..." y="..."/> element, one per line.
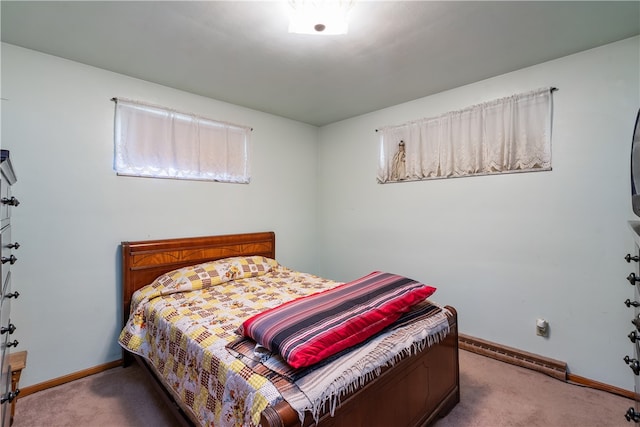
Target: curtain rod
<point x="552" y="89"/>
<point x="114" y="99"/>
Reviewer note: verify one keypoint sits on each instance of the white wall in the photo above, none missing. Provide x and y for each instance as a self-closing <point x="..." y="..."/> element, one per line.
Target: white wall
<point x="507" y="249"/>
<point x="503" y="250"/>
<point x="57" y="121"/>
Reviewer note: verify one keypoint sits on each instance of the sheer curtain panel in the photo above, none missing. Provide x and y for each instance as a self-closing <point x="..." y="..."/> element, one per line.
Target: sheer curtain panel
<point x="511" y="134"/>
<point x="152" y="141"/>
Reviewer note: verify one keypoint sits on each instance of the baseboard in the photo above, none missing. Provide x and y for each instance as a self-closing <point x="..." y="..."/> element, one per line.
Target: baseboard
<point x="25" y="391"/>
<point x="586" y="382"/>
<point x="552" y="367"/>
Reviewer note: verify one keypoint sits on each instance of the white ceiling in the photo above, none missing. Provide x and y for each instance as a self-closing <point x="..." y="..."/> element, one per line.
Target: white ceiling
<point x="241" y="52"/>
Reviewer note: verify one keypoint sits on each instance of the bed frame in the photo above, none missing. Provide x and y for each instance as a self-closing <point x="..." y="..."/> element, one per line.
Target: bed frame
<point x="414" y="392"/>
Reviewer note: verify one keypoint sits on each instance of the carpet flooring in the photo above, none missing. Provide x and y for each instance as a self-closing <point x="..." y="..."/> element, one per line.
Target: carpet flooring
<point x="493" y="394"/>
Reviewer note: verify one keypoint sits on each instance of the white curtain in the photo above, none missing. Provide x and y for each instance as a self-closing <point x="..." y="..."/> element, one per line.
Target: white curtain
<point x="511" y="134"/>
<point x="153" y="141"/>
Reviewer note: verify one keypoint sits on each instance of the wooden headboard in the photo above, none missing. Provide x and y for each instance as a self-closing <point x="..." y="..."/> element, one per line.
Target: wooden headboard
<point x="145" y="260"/>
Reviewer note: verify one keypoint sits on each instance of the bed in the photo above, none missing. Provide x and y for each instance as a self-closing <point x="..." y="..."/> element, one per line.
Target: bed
<point x="415" y="390"/>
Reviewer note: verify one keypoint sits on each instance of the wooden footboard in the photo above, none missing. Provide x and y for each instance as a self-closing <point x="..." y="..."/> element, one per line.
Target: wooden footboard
<point x="414" y="392"/>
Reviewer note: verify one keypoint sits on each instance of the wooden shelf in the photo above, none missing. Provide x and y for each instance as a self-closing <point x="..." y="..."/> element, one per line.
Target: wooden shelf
<point x="17" y="361"/>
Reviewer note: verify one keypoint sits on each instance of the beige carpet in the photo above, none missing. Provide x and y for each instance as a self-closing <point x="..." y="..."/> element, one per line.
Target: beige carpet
<point x="493" y="394"/>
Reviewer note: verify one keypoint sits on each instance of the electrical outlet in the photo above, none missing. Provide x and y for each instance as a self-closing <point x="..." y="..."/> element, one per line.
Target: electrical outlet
<point x="542" y="327"/>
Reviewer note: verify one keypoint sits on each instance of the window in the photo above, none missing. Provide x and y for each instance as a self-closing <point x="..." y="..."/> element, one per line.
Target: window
<point x="510" y="134"/>
<point x="152" y="141"/>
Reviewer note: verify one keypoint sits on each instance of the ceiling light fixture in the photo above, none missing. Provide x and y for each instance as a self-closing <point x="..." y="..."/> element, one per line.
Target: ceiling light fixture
<point x="320" y="17"/>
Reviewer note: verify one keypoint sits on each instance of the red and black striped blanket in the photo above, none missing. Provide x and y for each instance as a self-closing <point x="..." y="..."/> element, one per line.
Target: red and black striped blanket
<point x="285" y="375"/>
<point x="307" y="330"/>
